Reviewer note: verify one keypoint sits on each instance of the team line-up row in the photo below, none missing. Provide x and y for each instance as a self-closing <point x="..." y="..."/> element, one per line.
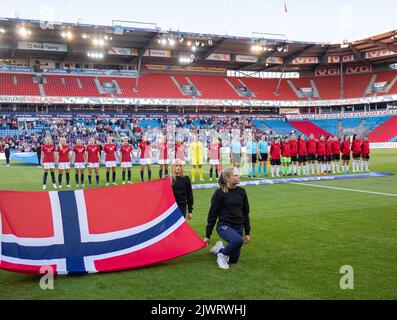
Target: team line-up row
<point x="290" y="155"/>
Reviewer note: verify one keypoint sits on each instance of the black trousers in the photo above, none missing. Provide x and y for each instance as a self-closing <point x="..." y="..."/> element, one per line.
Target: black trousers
<point x="7" y="153"/>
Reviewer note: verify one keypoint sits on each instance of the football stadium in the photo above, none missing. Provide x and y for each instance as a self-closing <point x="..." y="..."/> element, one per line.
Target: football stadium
<point x="138" y="163"/>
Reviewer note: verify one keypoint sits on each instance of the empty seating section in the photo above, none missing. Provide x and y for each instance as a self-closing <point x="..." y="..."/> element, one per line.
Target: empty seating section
<point x="235" y="81"/>
<point x="301" y="83"/>
<point x="354" y="86"/>
<point x="181" y="79"/>
<point x="18" y="84"/>
<point x="385" y="132"/>
<point x="265" y="89"/>
<point x="69" y="86"/>
<point x="209" y="87"/>
<point x="126" y="86"/>
<point x="157" y="86"/>
<point x="281" y="127"/>
<point x="89" y="87"/>
<point x="328" y="125"/>
<point x="387" y="76"/>
<point x="308" y="128"/>
<point x="328" y="87"/>
<point x="213" y="87"/>
<point x="366" y="125"/>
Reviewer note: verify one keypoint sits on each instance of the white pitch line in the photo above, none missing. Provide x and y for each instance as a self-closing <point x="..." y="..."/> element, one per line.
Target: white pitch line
<point x="345" y="189"/>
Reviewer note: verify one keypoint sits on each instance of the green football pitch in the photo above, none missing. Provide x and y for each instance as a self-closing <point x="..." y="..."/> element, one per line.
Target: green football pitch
<point x="301" y="237"/>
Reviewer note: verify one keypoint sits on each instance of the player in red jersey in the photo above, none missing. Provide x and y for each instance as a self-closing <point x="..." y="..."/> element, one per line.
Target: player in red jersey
<point x="94" y="156"/>
<point x="125" y="156"/>
<point x="302" y="156"/>
<point x="336" y="148"/>
<point x="345" y="148"/>
<point x="145" y="154"/>
<point x="321" y="155"/>
<point x="80" y="159"/>
<point x="63" y="160"/>
<point x="328" y="153"/>
<point x="286" y="157"/>
<point x="110" y="150"/>
<point x="215" y="157"/>
<point x="356" y="150"/>
<point x="180" y="150"/>
<point x="275" y="157"/>
<point x="365" y="153"/>
<point x="48" y="162"/>
<point x="294" y="154"/>
<point x="311" y="153"/>
<point x="164" y="156"/>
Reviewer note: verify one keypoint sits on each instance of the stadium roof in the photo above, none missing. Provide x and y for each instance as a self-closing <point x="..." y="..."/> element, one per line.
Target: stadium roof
<point x="273" y="52"/>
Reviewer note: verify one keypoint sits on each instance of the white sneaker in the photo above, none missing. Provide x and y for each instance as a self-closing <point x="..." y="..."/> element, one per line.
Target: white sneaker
<point x="202" y="180"/>
<point x="44" y="187"/>
<point x="210" y="179"/>
<point x="114" y="183"/>
<point x="123" y="183"/>
<point x="129" y="182"/>
<point x="223" y="261"/>
<point x="218" y="247"/>
<point x="82" y="185"/>
<point x="60" y="187"/>
<point x="77" y="186"/>
<point x="55" y="186"/>
<point x="69" y="186"/>
<point x="107" y="184"/>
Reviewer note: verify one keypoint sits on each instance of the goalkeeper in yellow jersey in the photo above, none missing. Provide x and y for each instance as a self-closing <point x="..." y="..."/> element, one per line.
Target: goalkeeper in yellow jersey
<point x="196" y="155"/>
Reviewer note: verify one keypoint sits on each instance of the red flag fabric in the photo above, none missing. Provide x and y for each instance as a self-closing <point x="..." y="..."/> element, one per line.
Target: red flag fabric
<point x="90" y="231"/>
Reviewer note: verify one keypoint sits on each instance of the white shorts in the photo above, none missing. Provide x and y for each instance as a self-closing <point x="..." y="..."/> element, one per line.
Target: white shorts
<point x="64" y="166"/>
<point x="79" y="165"/>
<point x="93" y="165"/>
<point x="164" y="161"/>
<point x="214" y="162"/>
<point x="126" y="165"/>
<point x="111" y="164"/>
<point x="49" y="165"/>
<point x="145" y="162"/>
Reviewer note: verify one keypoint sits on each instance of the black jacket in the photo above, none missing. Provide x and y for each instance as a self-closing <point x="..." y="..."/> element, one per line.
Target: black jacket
<point x="231" y="207"/>
<point x="183" y="192"/>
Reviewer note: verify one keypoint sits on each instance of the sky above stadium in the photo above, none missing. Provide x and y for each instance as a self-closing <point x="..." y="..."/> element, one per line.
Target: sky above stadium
<point x="300" y="20"/>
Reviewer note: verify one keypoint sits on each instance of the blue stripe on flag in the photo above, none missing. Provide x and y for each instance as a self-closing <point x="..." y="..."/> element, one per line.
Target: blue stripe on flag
<point x="73" y="250"/>
<point x="71" y="232"/>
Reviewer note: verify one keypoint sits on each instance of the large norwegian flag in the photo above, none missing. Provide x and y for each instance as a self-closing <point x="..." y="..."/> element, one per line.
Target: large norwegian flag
<point x="101" y="230"/>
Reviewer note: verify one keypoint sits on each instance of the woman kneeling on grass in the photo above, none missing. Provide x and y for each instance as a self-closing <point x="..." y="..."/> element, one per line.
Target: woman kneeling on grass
<point x="229" y="205"/>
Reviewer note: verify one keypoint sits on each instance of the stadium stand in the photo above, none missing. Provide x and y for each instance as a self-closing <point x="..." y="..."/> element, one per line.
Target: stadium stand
<point x="18" y="84"/>
<point x="281" y="127"/>
<point x="307" y="128"/>
<point x="213" y="87"/>
<point x="209" y="87"/>
<point x="385" y="132"/>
